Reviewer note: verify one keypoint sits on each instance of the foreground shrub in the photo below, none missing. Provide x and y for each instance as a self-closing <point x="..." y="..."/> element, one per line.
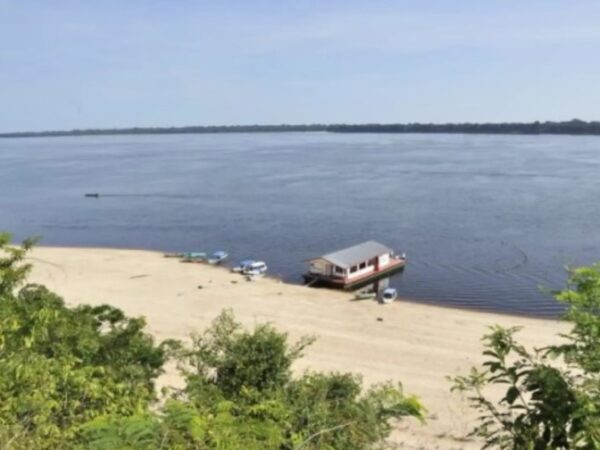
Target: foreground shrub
<point x="60" y="366"/>
<point x="235" y="398"/>
<point x="84" y="378"/>
<point x="552" y="395"/>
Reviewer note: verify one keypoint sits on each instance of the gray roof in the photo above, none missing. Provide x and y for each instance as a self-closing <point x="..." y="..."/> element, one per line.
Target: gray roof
<point x="356" y="254"/>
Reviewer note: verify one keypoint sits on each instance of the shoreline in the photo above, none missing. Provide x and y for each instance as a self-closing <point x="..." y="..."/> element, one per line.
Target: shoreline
<point x="414" y="343"/>
<point x="423" y="302"/>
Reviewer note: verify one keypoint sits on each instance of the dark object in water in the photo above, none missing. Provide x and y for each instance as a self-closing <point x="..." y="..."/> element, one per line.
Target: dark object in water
<point x="93" y="195"/>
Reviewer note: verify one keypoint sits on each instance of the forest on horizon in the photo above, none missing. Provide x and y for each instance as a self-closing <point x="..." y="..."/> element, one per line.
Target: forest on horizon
<point x="571" y="127"/>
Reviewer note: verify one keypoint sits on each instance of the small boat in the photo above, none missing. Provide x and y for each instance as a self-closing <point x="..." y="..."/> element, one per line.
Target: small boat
<point x="218" y="257"/>
<point x="365" y="295"/>
<point x="92" y="195"/>
<point x="388" y="295"/>
<point x="242" y="265"/>
<point x="174" y="255"/>
<point x="255" y="268"/>
<point x="192" y="256"/>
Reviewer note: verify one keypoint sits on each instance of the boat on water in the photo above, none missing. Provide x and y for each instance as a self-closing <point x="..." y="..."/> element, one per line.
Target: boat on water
<point x="388" y="295"/>
<point x="218" y="257"/>
<point x="189" y="256"/>
<point x="251" y="269"/>
<point x="255" y="268"/>
<point x="242" y="265"/>
<point x="355" y="266"/>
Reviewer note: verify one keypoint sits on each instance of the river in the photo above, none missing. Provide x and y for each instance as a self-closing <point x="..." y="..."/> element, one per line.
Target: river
<point x="488" y="222"/>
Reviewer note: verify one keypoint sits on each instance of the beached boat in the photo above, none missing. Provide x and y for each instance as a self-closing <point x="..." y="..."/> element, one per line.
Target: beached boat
<point x="354" y="266"/>
<point x="365" y="295"/>
<point x="388" y="295"/>
<point x="255" y="268"/>
<point x="243" y="264"/>
<point x="173" y="255"/>
<point x="218" y="257"/>
<point x="191" y="256"/>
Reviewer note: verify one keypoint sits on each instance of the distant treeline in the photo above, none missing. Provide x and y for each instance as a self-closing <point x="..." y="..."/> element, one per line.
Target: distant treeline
<point x="569" y="127"/>
<point x="172" y="130"/>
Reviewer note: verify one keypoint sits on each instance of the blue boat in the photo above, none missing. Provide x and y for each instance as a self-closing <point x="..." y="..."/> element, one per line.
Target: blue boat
<point x="218" y="257"/>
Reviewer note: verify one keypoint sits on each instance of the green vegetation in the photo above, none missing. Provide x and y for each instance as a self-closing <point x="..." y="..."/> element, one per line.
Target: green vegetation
<point x="551" y="395"/>
<point x="84" y="378"/>
<point x="574" y="126"/>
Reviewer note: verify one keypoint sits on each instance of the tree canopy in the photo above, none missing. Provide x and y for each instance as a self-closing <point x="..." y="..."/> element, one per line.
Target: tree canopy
<point x="84" y="378"/>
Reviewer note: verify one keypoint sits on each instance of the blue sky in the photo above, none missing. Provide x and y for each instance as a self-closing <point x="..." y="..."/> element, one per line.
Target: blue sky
<point x="96" y="64"/>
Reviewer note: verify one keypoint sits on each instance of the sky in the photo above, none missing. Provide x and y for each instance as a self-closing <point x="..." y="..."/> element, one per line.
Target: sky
<point x="102" y="64"/>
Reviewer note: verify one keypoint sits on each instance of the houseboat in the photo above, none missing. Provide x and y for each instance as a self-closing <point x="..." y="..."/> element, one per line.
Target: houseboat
<point x="354" y="266"/>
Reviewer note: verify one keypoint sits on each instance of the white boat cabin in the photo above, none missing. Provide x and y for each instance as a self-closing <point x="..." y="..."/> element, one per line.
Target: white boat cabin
<point x="353" y="262"/>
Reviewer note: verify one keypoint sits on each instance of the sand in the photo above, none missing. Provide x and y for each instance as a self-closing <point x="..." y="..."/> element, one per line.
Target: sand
<point x="416" y="344"/>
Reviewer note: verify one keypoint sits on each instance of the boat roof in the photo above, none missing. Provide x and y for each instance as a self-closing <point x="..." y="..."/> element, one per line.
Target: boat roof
<point x="356" y="254"/>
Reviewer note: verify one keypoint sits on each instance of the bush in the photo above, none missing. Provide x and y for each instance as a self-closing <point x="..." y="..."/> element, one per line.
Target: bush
<point x="552" y="395"/>
<point x="61" y="367"/>
<point x="83" y="378"/>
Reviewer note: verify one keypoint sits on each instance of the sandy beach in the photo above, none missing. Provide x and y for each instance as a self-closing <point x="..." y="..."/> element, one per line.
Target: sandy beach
<point x="416" y="344"/>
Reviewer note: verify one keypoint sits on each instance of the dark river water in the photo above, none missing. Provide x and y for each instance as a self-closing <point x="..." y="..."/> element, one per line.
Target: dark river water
<point x="488" y="222"/>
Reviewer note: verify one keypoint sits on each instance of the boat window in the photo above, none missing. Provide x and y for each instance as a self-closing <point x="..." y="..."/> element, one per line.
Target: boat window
<point x="363" y="265"/>
<point x="339" y="269"/>
<point x="353" y="269"/>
